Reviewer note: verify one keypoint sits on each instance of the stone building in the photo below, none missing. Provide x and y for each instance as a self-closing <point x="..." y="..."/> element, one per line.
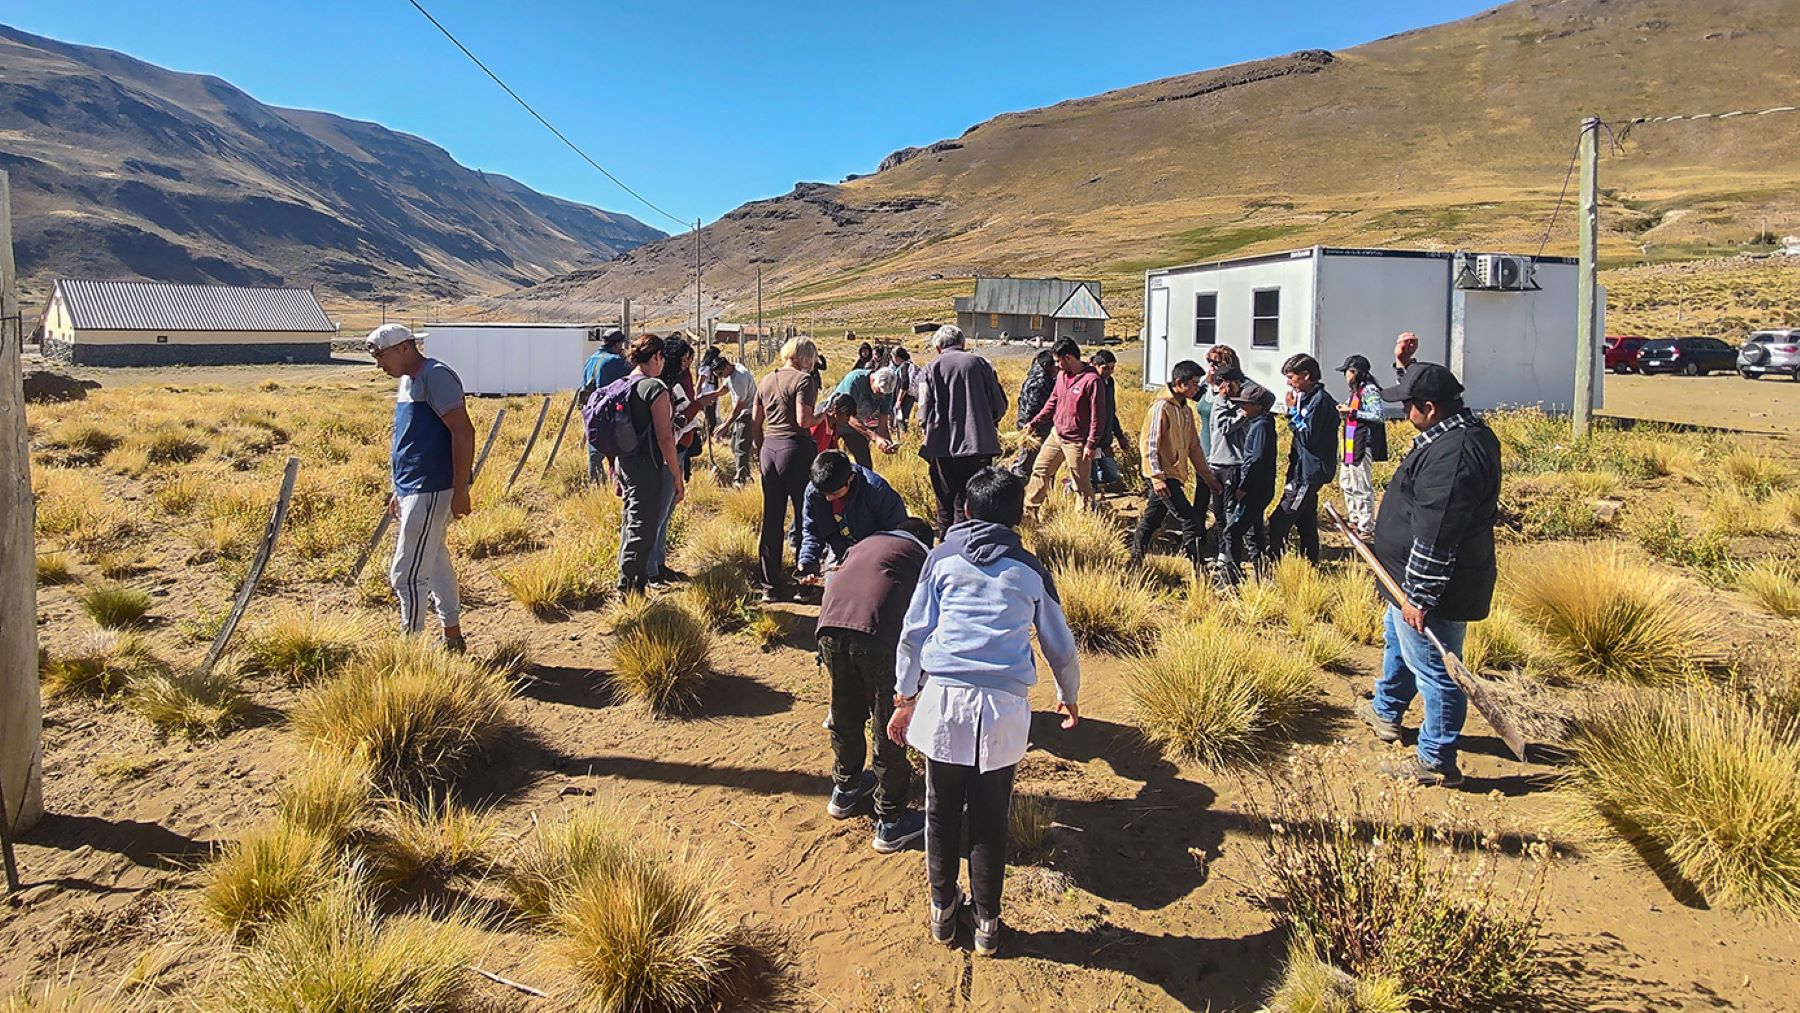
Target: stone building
<point x="145" y="323"/>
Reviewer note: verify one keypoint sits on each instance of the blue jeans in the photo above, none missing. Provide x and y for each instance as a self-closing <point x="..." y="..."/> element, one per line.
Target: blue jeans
<point x="1411" y="667"/>
<point x="659" y="545"/>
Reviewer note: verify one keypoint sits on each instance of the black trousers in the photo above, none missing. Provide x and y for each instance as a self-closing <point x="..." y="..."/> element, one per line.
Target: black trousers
<point x="949" y="481"/>
<point x="786" y="466"/>
<point x="1189" y="517"/>
<point x="1298" y="511"/>
<point x="1229" y="476"/>
<point x="862" y="689"/>
<point x="950" y="789"/>
<point x="857" y="446"/>
<point x="1245" y="540"/>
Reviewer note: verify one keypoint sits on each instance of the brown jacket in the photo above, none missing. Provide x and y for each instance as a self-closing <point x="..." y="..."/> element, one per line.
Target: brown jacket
<point x="1171" y="442"/>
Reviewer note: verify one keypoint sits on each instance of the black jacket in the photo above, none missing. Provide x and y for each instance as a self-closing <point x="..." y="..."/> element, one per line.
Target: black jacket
<point x="1312" y="460"/>
<point x="1441" y="506"/>
<point x="1034" y="392"/>
<point x="1256" y="474"/>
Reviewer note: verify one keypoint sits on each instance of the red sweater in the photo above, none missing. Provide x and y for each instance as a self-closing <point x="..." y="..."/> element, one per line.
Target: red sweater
<point x="1074" y="408"/>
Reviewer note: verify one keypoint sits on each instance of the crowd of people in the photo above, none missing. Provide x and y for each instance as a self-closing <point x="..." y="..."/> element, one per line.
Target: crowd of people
<point x="926" y="624"/>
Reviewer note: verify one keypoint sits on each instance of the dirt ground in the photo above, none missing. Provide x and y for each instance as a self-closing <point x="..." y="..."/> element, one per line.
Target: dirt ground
<point x="1725" y="401"/>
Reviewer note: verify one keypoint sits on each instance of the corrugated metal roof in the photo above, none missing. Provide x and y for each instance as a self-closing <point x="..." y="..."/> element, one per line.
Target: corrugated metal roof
<point x="1025" y="296"/>
<point x="158" y="306"/>
<point x="1081" y="304"/>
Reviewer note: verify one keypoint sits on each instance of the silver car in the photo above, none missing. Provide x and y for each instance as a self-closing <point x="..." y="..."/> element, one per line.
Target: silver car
<point x="1776" y="351"/>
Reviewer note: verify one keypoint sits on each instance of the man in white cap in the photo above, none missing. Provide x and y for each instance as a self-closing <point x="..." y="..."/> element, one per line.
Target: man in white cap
<point x="433" y="455"/>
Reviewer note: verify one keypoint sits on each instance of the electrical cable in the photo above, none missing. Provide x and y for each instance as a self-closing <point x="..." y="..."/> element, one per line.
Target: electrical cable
<point x="1574" y="156"/>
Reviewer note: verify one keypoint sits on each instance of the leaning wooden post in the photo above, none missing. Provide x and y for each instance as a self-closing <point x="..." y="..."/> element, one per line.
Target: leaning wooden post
<point x="21" y="710"/>
<point x="257" y="564"/>
<point x="560" y="430"/>
<point x="530" y="441"/>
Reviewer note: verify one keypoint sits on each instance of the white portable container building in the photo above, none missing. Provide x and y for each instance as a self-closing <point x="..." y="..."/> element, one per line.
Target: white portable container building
<point x="1504" y="324"/>
<point x="514" y="358"/>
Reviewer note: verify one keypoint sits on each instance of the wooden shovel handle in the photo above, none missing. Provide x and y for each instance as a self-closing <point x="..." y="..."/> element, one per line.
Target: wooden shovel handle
<point x="1367" y="554"/>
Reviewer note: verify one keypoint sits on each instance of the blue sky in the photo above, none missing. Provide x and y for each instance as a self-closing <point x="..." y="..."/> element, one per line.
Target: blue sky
<point x="702" y="105"/>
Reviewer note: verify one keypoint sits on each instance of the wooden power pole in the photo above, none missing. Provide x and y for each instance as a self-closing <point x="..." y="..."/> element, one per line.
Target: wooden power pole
<point x="1587" y="292"/>
<point x="21" y="710"/>
<point x="697" y="322"/>
<point x="760" y="340"/>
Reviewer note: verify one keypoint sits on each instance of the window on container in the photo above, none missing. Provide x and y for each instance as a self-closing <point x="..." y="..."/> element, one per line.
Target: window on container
<point x="1265" y="318"/>
<point x="1206" y="318"/>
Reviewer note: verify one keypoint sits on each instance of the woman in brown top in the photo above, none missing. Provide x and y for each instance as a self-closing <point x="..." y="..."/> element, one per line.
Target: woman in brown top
<point x="785" y="400"/>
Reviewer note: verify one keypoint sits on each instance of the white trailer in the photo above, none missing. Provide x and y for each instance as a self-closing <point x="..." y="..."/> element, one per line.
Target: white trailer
<point x="496" y="358"/>
<point x="1504" y="324"/>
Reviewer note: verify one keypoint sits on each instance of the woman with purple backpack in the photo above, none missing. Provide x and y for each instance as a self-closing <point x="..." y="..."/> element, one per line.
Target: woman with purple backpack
<point x="649" y="471"/>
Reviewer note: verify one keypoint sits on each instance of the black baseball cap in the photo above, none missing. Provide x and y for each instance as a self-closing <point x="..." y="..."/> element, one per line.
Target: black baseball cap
<point x="1424" y="381"/>
<point x="1354" y="362"/>
<point x="1257" y="394"/>
<point x="1228" y="374"/>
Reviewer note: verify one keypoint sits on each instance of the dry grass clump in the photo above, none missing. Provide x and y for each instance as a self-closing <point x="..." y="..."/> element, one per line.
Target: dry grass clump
<point x="261" y="876"/>
<point x="1773" y="585"/>
<point x="83" y="441"/>
<point x="1258" y="602"/>
<point x="1078" y="536"/>
<point x="720" y="546"/>
<point x="741" y="507"/>
<point x="768" y="629"/>
<point x="190" y="701"/>
<point x="722" y="595"/>
<point x="101" y="664"/>
<point x="178" y="496"/>
<point x="76" y="510"/>
<point x="69" y="996"/>
<point x="500" y="530"/>
<point x="1310" y="985"/>
<point x="1665" y="458"/>
<point x="1168" y="573"/>
<point x="1357" y="611"/>
<point x="328" y="796"/>
<point x="648" y="936"/>
<point x="510" y="657"/>
<point x="55" y="568"/>
<point x="661" y="653"/>
<point x="115" y="606"/>
<point x="334" y="952"/>
<point x="1028" y="824"/>
<point x="1211" y="691"/>
<point x="1787" y="507"/>
<point x="1360" y="884"/>
<point x="303" y="648"/>
<point x="1305" y="592"/>
<point x="1325" y="647"/>
<point x="558" y="580"/>
<point x="419" y="714"/>
<point x="1601" y="614"/>
<point x="1753" y="474"/>
<point x="122" y="563"/>
<point x="1107" y="609"/>
<point x="589" y="841"/>
<point x="428" y="843"/>
<point x="1501" y="641"/>
<point x="1699" y="777"/>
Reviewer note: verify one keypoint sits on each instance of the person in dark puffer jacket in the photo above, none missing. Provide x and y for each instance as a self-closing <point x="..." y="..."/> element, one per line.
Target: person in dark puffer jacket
<point x="844" y="504"/>
<point x="1312" y="458"/>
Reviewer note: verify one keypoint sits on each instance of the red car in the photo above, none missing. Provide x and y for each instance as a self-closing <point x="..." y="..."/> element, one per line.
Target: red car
<point x="1622" y="352"/>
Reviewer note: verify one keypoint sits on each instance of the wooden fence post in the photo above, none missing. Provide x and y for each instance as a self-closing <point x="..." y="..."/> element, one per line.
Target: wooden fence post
<point x="257" y="563"/>
<point x="21" y="709"/>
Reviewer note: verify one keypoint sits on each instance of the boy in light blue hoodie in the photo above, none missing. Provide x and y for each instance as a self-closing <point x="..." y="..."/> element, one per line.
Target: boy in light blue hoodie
<point x="963" y="670"/>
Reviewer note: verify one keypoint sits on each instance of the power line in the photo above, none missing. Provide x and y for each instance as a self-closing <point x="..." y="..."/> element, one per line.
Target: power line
<point x="1573" y="157"/>
<point x="539" y="117"/>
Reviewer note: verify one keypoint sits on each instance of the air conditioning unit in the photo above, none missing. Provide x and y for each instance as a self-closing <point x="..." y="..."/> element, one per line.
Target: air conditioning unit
<point x="1503" y="272"/>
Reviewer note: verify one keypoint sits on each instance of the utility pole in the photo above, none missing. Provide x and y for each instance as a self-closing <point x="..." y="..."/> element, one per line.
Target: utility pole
<point x="696" y="276"/>
<point x="625" y="318"/>
<point x="21" y="709"/>
<point x="1587" y="289"/>
<point x="761" y="341"/>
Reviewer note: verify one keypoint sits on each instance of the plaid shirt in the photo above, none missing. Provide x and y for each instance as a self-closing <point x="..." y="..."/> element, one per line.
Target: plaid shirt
<point x="1428" y="567"/>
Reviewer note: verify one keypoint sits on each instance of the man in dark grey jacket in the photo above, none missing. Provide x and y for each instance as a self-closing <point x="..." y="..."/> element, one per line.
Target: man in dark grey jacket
<point x="1435" y="534"/>
<point x="960" y="407"/>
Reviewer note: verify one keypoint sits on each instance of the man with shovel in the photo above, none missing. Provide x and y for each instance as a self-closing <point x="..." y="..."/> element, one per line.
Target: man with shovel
<point x="1435" y="534"/>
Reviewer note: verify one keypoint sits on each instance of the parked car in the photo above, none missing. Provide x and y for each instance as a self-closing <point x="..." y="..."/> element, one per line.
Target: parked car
<point x="1775" y="351"/>
<point x="1622" y="352"/>
<point x="1687" y="356"/>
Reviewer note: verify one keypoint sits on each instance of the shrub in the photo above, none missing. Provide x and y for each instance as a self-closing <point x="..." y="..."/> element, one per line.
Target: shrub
<point x="1774" y="586"/>
<point x="1665" y="534"/>
<point x="1359" y="885"/>
<point x="190" y="701"/>
<point x="1209" y="692"/>
<point x="1107" y="609"/>
<point x="1701" y="780"/>
<point x="661" y="652"/>
<point x="55" y="568"/>
<point x="101" y="664"/>
<point x="418" y="713"/>
<point x="333" y="952"/>
<point x="1078" y="536"/>
<point x="1757" y="476"/>
<point x="593" y="840"/>
<point x="328" y="796"/>
<point x="1603" y="615"/>
<point x="649" y="936"/>
<point x="115" y="606"/>
<point x="263" y="875"/>
<point x="302" y="648"/>
<point x="429" y="843"/>
<point x="500" y="530"/>
<point x="1310" y="985"/>
<point x="558" y="580"/>
<point x="1028" y="824"/>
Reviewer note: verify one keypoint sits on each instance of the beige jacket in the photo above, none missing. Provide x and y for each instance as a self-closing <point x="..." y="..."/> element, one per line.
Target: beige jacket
<point x="1171" y="442"/>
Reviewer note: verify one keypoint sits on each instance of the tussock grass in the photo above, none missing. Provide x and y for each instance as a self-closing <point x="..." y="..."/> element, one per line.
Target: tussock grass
<point x="120" y="564"/>
<point x="1310" y="985"/>
<point x="223" y="537"/>
<point x="741" y="507"/>
<point x="661" y="652"/>
<point x="649" y="936"/>
<point x="1211" y="692"/>
<point x="1078" y="536"/>
<point x="75" y="509"/>
<point x="500" y="530"/>
<point x="590" y="841"/>
<point x="1697" y="776"/>
<point x="427" y="844"/>
<point x="1774" y="586"/>
<point x="1258" y="603"/>
<point x="768" y="629"/>
<point x="1501" y="641"/>
<point x="1325" y="647"/>
<point x="419" y="714"/>
<point x="115" y="606"/>
<point x="99" y="665"/>
<point x="191" y="702"/>
<point x="1028" y="824"/>
<point x="1357" y="611"/>
<point x="56" y="568"/>
<point x="1604" y="615"/>
<point x="329" y="795"/>
<point x="334" y="952"/>
<point x="67" y="996"/>
<point x="1753" y="474"/>
<point x="303" y="648"/>
<point x="83" y="441"/>
<point x="1665" y="458"/>
<point x="558" y="580"/>
<point x="263" y="875"/>
<point x="721" y="594"/>
<point x="510" y="657"/>
<point x="1168" y="573"/>
<point x="718" y="546"/>
<point x="1599" y="484"/>
<point x="1787" y="507"/>
<point x="1107" y="609"/>
<point x="1305" y="592"/>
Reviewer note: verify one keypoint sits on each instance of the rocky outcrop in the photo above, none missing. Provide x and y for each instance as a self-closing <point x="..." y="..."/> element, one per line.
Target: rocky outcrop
<point x="45" y="387"/>
<point x="905" y="155"/>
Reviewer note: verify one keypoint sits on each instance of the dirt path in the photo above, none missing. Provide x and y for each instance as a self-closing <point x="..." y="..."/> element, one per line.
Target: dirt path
<point x="1726" y="401"/>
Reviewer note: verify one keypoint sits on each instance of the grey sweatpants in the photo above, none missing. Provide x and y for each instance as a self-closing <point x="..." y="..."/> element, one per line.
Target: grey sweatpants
<point x="422" y="567"/>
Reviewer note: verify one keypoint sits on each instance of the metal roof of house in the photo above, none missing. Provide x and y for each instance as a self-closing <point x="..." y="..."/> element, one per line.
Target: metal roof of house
<point x="1026" y="296"/>
<point x="1081" y="304"/>
<point x="158" y="306"/>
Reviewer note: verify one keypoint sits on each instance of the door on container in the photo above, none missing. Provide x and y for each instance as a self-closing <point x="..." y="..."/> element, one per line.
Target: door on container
<point x="1156" y="361"/>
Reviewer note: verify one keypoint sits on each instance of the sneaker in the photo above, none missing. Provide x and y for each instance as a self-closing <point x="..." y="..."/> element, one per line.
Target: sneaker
<point x="1411" y="769"/>
<point x="456" y="645"/>
<point x="844" y="804"/>
<point x="943" y="921"/>
<point x="669" y="575"/>
<point x="772" y="595"/>
<point x="892" y="835"/>
<point x="1385" y="730"/>
<point x="987" y="937"/>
